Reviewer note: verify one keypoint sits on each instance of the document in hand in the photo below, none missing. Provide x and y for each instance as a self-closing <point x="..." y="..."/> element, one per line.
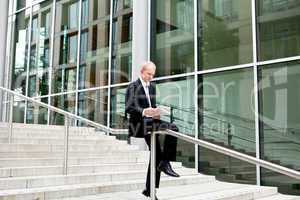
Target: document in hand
<point x="164" y="110"/>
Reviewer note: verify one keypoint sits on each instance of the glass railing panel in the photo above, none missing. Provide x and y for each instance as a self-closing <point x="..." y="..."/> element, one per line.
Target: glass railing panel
<point x="176" y="97"/>
<point x="65" y="102"/>
<point x="92" y="105"/>
<point x="226" y="168"/>
<point x="279" y="116"/>
<point x="37" y="114"/>
<point x="285" y="184"/>
<point x="226" y="117"/>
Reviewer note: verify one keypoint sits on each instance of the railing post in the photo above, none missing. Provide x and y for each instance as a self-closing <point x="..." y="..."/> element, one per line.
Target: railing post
<point x="153" y="164"/>
<point x="11" y="111"/>
<point x="66" y="146"/>
<point x="229" y="138"/>
<point x="229" y="135"/>
<point x="171" y="115"/>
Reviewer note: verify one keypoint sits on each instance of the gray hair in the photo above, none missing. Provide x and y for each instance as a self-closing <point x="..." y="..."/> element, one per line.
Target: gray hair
<point x="146" y="64"/>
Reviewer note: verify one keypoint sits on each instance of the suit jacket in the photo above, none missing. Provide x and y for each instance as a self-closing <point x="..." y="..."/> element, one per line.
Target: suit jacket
<point x="136" y="101"/>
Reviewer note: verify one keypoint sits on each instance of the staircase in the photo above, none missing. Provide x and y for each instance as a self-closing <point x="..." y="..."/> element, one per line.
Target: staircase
<point x="100" y="167"/>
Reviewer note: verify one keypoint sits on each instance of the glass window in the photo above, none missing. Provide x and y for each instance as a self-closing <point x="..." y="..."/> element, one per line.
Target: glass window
<point x="19" y="51"/>
<point x="226" y="117"/>
<point x="176" y="98"/>
<point x="278" y="28"/>
<point x="37" y="114"/>
<point x="117" y="108"/>
<point x="174" y="37"/>
<point x="280" y="119"/>
<point x="22" y="3"/>
<point x="224" y="33"/>
<point x="121" y="48"/>
<point x="65" y="102"/>
<point x="65" y="45"/>
<point x="95" y="10"/>
<point x="226" y="168"/>
<point x="94" y="48"/>
<point x="93" y="105"/>
<point x="119" y="5"/>
<point x="39" y="52"/>
<point x="226" y="109"/>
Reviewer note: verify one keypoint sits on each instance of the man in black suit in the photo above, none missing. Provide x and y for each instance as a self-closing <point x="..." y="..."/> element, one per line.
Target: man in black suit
<point x="145" y="117"/>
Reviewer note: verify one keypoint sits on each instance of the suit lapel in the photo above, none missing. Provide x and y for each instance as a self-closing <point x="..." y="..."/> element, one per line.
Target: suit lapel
<point x="142" y="92"/>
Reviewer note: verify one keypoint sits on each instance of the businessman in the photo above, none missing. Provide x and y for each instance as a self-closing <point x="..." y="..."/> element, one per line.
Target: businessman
<point x="144" y="118"/>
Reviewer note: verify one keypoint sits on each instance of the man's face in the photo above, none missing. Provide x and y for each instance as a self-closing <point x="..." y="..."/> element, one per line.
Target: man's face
<point x="148" y="73"/>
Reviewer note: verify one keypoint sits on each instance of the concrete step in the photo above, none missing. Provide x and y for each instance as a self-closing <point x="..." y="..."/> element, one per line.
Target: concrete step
<point x="280" y="197"/>
<point x="60" y="141"/>
<point x="223" y="191"/>
<point x="109" y="157"/>
<point x="74" y="169"/>
<point x="7" y="148"/>
<point x="31" y="135"/>
<point x="44" y="127"/>
<point x="67" y="191"/>
<point x="78" y="154"/>
<point x="57" y="180"/>
<point x="205" y="191"/>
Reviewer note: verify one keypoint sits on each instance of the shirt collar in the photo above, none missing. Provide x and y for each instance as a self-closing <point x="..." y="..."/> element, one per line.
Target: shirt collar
<point x="144" y="83"/>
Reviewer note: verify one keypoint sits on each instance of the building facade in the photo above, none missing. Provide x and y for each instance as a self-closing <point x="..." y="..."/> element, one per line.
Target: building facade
<point x="227" y="72"/>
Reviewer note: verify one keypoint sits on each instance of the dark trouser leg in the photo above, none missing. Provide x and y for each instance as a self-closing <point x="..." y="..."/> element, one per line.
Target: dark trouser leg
<point x="158" y="159"/>
<point x="170" y="143"/>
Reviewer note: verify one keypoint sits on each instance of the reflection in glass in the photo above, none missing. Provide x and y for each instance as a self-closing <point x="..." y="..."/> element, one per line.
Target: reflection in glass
<point x="93" y="105"/>
<point x="19" y="51"/>
<point x="65" y="45"/>
<point x="93" y="10"/>
<point x="226" y="168"/>
<point x="37" y="114"/>
<point x="18" y="110"/>
<point x="119" y="5"/>
<point x="117" y="108"/>
<point x="65" y="102"/>
<point x="280" y="131"/>
<point x="22" y="3"/>
<point x="121" y="47"/>
<point x="94" y="47"/>
<point x="285" y="184"/>
<point x="224" y="33"/>
<point x="278" y="28"/>
<point x="39" y="52"/>
<point x="174" y="44"/>
<point x="176" y="97"/>
<point x="226" y="114"/>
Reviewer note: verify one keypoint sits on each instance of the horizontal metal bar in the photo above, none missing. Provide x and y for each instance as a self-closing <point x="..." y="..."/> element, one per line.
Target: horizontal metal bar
<point x="235" y="154"/>
<point x="280" y="60"/>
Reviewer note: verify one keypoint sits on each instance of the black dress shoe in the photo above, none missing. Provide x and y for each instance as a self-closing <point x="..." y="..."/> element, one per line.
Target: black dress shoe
<point x="147" y="194"/>
<point x="165" y="166"/>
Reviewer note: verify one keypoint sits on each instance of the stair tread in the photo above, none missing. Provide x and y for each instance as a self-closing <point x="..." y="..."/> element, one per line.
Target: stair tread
<point x="211" y="190"/>
<point x="89" y="185"/>
<point x="281" y="197"/>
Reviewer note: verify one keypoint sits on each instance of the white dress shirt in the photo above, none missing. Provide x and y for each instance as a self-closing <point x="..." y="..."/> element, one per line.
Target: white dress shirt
<point x="146" y="89"/>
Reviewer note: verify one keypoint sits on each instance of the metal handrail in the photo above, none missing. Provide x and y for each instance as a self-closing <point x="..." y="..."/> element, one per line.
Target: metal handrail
<point x="235" y="154"/>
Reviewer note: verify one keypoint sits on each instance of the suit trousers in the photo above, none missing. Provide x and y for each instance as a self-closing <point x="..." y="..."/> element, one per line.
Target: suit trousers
<point x="168" y="153"/>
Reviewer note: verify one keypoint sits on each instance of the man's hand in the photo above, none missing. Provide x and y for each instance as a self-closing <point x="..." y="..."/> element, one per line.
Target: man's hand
<point x="148" y="112"/>
<point x="152" y="112"/>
